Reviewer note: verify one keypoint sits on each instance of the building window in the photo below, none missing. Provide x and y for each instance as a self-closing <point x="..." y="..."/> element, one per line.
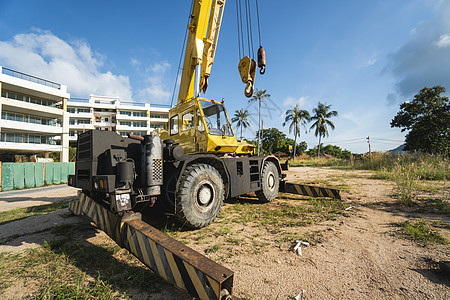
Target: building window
<point x="24" y="98"/>
<point x="139" y="124"/>
<point x="71" y="110"/>
<point x="159" y="116"/>
<point x="21" y="138"/>
<point x="126" y="113"/>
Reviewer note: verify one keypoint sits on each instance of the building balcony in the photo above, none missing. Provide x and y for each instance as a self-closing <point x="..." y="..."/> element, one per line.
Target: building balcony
<point x="130" y="118"/>
<point x="80" y="115"/>
<point x="104" y="124"/>
<point x="35" y="86"/>
<point x="159" y="120"/>
<point x="30" y="127"/>
<point x="29" y="147"/>
<point x="81" y="126"/>
<point x="25" y="107"/>
<point x="131" y="128"/>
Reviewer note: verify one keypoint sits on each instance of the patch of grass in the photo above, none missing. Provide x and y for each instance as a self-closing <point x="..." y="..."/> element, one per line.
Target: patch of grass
<point x="22" y="213"/>
<point x="427" y="166"/>
<point x="171" y="230"/>
<point x="223" y="231"/>
<point x="435" y="206"/>
<point x="406" y="180"/>
<point x="62" y="269"/>
<point x="419" y="231"/>
<point x="213" y="249"/>
<point x="234" y="241"/>
<point x="283" y="214"/>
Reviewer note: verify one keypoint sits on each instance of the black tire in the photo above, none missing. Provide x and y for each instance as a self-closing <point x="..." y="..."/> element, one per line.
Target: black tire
<point x="200" y="195"/>
<point x="270" y="183"/>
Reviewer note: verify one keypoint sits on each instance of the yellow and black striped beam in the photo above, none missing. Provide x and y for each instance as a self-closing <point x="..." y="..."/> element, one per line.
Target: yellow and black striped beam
<point x="176" y="263"/>
<point x="103" y="218"/>
<point x="309" y="190"/>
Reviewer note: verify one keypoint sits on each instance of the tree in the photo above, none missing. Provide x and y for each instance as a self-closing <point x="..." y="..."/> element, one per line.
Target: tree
<point x="241" y="119"/>
<point x="427" y="117"/>
<point x="298" y="118"/>
<point x="273" y="140"/>
<point x="302" y="146"/>
<point x="321" y="115"/>
<point x="259" y="96"/>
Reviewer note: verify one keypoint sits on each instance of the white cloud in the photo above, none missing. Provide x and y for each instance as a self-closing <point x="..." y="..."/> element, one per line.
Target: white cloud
<point x="424" y="61"/>
<point x="45" y="55"/>
<point x="444" y="41"/>
<point x="156" y="90"/>
<point x="135" y="62"/>
<point x="292" y="101"/>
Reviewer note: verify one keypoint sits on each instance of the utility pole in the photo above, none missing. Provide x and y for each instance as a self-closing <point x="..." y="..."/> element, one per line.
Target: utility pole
<point x="368" y="141"/>
<point x="261" y="137"/>
<point x="259" y="125"/>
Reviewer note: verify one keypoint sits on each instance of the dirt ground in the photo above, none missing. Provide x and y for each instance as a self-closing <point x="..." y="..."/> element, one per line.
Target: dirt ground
<point x="357" y="257"/>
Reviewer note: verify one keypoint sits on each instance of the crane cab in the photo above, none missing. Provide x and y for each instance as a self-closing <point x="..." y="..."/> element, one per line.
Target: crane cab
<point x="202" y="126"/>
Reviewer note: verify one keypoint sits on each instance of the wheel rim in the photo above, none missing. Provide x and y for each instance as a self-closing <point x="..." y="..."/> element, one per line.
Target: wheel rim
<point x="271" y="181"/>
<point x="204" y="193"/>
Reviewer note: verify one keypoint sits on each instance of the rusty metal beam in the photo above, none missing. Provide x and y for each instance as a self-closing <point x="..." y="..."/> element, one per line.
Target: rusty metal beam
<point x="309" y="190"/>
<point x="173" y="261"/>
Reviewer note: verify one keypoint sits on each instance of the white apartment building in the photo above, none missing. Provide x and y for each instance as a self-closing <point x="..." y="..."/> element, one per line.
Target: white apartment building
<point x="33" y="115"/>
<point x="109" y="113"/>
<point x="38" y="116"/>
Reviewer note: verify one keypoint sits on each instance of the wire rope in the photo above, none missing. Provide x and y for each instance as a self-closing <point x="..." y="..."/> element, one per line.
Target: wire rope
<point x="181" y="56"/>
<point x="259" y="28"/>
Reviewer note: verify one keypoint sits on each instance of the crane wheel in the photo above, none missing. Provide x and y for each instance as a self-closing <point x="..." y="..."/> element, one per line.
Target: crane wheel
<point x="200" y="195"/>
<point x="270" y="181"/>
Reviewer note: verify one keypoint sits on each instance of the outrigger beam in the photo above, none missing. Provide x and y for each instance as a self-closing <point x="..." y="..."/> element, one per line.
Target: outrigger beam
<point x="173" y="261"/>
<point x="309" y="190"/>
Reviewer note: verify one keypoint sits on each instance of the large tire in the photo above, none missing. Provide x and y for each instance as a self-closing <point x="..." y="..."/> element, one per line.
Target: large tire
<point x="200" y="195"/>
<point x="270" y="181"/>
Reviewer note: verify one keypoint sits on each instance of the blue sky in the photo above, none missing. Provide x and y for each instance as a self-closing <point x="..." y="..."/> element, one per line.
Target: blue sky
<point x="363" y="58"/>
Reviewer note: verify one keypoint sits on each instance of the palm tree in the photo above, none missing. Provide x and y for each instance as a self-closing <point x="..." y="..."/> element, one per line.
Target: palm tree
<point x="241" y="119"/>
<point x="298" y="118"/>
<point x="321" y="114"/>
<point x="259" y="96"/>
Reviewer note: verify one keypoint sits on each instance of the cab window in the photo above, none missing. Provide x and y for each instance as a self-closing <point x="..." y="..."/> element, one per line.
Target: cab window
<point x="200" y="126"/>
<point x="188" y="121"/>
<point x="174" y="125"/>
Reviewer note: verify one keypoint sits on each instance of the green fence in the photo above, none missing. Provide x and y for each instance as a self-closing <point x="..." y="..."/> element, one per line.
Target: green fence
<point x="7" y="176"/>
<point x="30" y="174"/>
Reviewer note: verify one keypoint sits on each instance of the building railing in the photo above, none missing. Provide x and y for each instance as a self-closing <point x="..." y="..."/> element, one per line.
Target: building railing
<point x="31" y="78"/>
<point x="82" y="100"/>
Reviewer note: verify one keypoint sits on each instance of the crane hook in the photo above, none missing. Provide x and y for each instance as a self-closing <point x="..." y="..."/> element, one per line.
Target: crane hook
<point x="261" y="60"/>
<point x="248" y="91"/>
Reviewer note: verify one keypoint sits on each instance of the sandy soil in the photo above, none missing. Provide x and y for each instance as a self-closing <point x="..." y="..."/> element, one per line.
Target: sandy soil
<point x="358" y="258"/>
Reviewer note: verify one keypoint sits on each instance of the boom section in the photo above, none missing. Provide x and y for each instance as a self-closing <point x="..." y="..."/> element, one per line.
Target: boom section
<point x="204" y="27"/>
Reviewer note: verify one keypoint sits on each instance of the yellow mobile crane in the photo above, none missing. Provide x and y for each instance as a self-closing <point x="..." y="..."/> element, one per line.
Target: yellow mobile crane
<point x="198" y="164"/>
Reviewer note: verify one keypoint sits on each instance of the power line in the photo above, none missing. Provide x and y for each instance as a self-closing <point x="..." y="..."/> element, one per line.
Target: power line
<point x="388" y="140"/>
<point x="360" y="139"/>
